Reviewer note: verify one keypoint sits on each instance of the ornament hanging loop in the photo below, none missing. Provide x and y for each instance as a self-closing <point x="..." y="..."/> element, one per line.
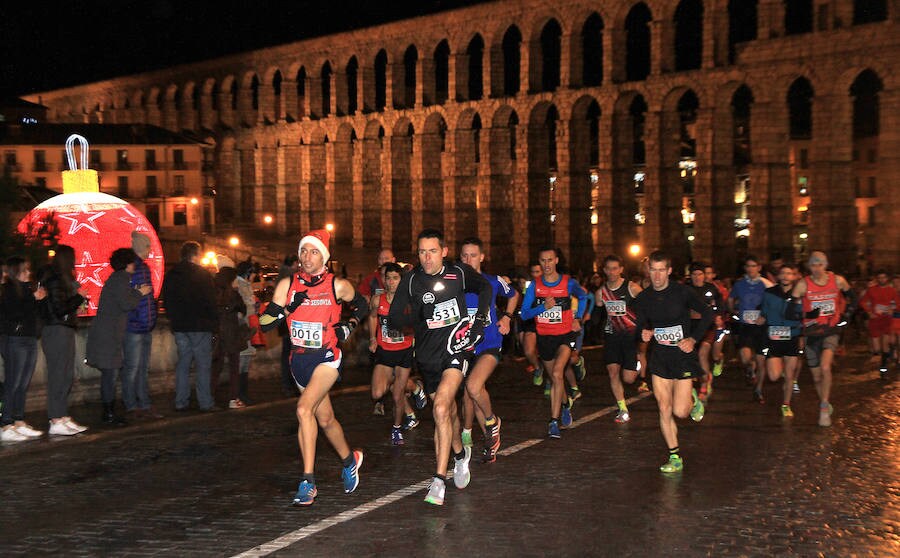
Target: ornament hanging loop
<point x="70" y="151"/>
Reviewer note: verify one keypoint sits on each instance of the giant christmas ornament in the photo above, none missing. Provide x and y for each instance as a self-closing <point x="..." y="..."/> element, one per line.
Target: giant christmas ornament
<point x="94" y="224"/>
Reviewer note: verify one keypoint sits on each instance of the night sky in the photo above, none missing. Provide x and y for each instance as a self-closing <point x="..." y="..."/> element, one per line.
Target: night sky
<point x="51" y="44"/>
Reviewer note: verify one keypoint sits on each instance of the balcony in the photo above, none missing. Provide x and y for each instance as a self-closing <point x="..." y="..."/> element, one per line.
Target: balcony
<point x="126" y="166"/>
<point x="151" y="165"/>
<point x="40" y="166"/>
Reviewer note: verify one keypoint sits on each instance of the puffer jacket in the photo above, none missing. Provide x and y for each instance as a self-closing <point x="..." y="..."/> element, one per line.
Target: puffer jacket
<point x="143" y="318"/>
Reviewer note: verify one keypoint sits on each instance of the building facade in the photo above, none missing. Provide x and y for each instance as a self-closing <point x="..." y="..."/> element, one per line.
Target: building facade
<point x="708" y="128"/>
<point x="165" y="175"/>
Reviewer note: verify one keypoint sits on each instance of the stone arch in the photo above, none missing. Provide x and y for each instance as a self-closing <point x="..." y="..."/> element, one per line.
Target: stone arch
<point x="637" y="42"/>
<point x="503" y="164"/>
<point x="742" y="24"/>
<point x="468" y="140"/>
<point x="586" y="48"/>
<point x="441" y="65"/>
<point x="688" y="44"/>
<point x="344" y="153"/>
<point x="405" y="79"/>
<point x="326" y="91"/>
<point x="471" y="84"/>
<point x="628" y="169"/>
<point x="798" y="17"/>
<point x="373" y="141"/>
<point x="799" y="99"/>
<point x="319" y="209"/>
<point x="542" y="173"/>
<point x="351" y="89"/>
<point x="506" y="62"/>
<point x="380" y="65"/>
<point x="584" y="160"/>
<point x="401" y="184"/>
<point x="434" y="150"/>
<point x="545" y="58"/>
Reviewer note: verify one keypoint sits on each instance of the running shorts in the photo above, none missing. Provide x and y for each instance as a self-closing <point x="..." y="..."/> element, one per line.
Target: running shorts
<point x="433" y="370"/>
<point x="816" y="345"/>
<point x="674" y="364"/>
<point x="620" y="348"/>
<point x="547" y="345"/>
<point x="402" y="358"/>
<point x="304" y="363"/>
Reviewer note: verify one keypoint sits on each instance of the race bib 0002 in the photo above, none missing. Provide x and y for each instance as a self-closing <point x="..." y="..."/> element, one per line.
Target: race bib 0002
<point x="668" y="336"/>
<point x="551" y="316"/>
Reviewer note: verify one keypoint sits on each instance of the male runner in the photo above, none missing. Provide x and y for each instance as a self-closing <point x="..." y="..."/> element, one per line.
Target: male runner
<point x="549" y="301"/>
<point x="373" y="283"/>
<point x="529" y="337"/>
<point x="719" y="322"/>
<point x="880" y="301"/>
<point x="828" y="300"/>
<point x="710" y="295"/>
<point x="744" y="301"/>
<point x="432" y="299"/>
<point x="620" y="333"/>
<point x="782" y="345"/>
<point x="311" y="300"/>
<point x="393" y="358"/>
<point x="477" y="401"/>
<point x="664" y="319"/>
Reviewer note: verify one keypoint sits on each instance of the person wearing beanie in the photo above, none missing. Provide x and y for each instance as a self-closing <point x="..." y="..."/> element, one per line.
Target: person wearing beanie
<point x="139" y="337"/>
<point x="311" y="302"/>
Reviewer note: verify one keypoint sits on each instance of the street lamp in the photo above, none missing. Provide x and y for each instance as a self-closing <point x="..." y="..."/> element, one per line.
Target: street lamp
<point x="634" y="250"/>
<point x="268" y="219"/>
<point x="234" y="241"/>
<point x="329" y="227"/>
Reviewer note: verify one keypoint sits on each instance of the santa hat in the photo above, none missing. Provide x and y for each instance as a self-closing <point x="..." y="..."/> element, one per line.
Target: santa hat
<point x="318" y="238"/>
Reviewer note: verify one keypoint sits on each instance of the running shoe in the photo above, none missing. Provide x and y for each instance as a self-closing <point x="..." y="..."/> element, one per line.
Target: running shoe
<point x="379" y="409"/>
<point x="27" y="430"/>
<point x="409" y="422"/>
<point x="306" y="494"/>
<point x="717" y="369"/>
<point x="786" y="411"/>
<point x="350" y="474"/>
<point x="61" y="428"/>
<point x="758" y="396"/>
<point x="574" y="394"/>
<point x="796" y="387"/>
<point x="466" y="438"/>
<point x="396" y="436"/>
<point x="10" y="434"/>
<point x="553" y="430"/>
<point x="673" y="465"/>
<point x="78" y="428"/>
<point x="493" y="440"/>
<point x="643" y="388"/>
<point x="461" y="473"/>
<point x="547" y="385"/>
<point x="825" y="415"/>
<point x="565" y="419"/>
<point x="580" y="369"/>
<point x="236" y="404"/>
<point x="622" y="416"/>
<point x="435" y="493"/>
<point x="698" y="410"/>
<point x="537" y="375"/>
<point x="419" y="397"/>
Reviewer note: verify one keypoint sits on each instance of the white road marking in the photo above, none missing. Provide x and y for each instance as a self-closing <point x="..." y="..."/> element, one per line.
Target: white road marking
<point x="305" y="532"/>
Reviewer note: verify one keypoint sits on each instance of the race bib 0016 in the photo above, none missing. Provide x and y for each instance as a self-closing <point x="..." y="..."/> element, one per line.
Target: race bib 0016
<point x="750" y="316"/>
<point x="445" y="314"/>
<point x="550" y="316"/>
<point x="306" y="334"/>
<point x="615" y="307"/>
<point x="780" y="333"/>
<point x="668" y="336"/>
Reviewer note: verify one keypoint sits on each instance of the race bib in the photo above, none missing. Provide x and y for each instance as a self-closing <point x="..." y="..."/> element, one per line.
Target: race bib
<point x="615" y="307"/>
<point x="391" y="336"/>
<point x="445" y="314"/>
<point x="883" y="309"/>
<point x="750" y="316"/>
<point x="780" y="333"/>
<point x="826" y="307"/>
<point x="306" y="334"/>
<point x="550" y="316"/>
<point x="668" y="336"/>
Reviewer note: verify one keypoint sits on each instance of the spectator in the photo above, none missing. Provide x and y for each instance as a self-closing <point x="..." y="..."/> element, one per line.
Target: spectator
<point x="230" y="339"/>
<point x="60" y="314"/>
<point x="139" y="337"/>
<point x="20" y="328"/>
<point x="107" y="335"/>
<point x="189" y="296"/>
<point x="373" y="283"/>
<point x="245" y="289"/>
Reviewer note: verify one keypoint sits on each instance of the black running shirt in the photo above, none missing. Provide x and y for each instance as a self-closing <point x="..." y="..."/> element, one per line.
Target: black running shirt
<point x="668" y="314"/>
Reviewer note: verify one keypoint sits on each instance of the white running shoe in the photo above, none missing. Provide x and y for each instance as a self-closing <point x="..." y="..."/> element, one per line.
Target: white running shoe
<point x="435" y="492"/>
<point x="461" y="473"/>
<point x="61" y="428"/>
<point x="74" y="425"/>
<point x="10" y="434"/>
<point x="27" y="430"/>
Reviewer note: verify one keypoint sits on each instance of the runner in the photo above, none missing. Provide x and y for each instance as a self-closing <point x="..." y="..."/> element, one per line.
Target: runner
<point x="744" y="301"/>
<point x="477" y="401"/>
<point x="720" y="322"/>
<point x="393" y="358"/>
<point x="310" y="301"/>
<point x="529" y="335"/>
<point x="549" y="301"/>
<point x="825" y="311"/>
<point x="576" y="371"/>
<point x="880" y="301"/>
<point x="663" y="315"/>
<point x="373" y="283"/>
<point x="431" y="298"/>
<point x="710" y="295"/>
<point x="783" y="341"/>
<point x="620" y="333"/>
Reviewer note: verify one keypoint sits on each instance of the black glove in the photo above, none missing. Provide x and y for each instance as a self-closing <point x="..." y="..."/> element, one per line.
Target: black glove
<point x="812" y="314"/>
<point x="343" y="329"/>
<point x="298" y="299"/>
<point x="465" y="336"/>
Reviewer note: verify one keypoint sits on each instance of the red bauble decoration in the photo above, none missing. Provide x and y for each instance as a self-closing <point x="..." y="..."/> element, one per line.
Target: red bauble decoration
<point x="95" y="224"/>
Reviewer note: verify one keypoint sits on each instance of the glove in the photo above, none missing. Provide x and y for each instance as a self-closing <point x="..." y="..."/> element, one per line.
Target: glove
<point x="466" y="335"/>
<point x="298" y="299"/>
<point x="343" y="330"/>
<point x="812" y="314"/>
